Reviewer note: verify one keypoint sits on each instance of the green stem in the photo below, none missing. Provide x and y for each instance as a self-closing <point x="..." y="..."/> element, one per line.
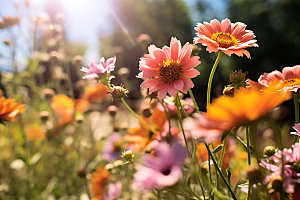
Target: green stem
<point x="297" y="118"/>
<point x="211" y="76"/>
<point x="180" y="122"/>
<point x="181" y="107"/>
<point x="220" y="172"/>
<point x="167" y="115"/>
<point x="138" y="117"/>
<point x="223" y="152"/>
<point x="248" y="145"/>
<point x="194" y="100"/>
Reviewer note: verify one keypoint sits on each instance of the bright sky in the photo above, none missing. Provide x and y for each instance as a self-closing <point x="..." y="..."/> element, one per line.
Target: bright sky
<point x="85" y="22"/>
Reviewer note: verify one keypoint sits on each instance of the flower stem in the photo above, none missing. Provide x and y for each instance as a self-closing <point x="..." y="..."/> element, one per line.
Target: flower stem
<point x="138" y="117"/>
<point x="220" y="172"/>
<point x="180" y="122"/>
<point x="211" y="77"/>
<point x="181" y="107"/>
<point x="194" y="100"/>
<point x="297" y="118"/>
<point x="223" y="152"/>
<point x="249" y="159"/>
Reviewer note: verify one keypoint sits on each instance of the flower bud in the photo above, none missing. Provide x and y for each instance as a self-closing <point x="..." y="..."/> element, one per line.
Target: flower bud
<point x="79" y="118"/>
<point x="254" y="175"/>
<point x="276" y="182"/>
<point x="48" y="93"/>
<point x="146" y="111"/>
<point x="81" y="173"/>
<point x="269" y="151"/>
<point x="118" y="92"/>
<point x="44" y="116"/>
<point x="238" y="79"/>
<point x="6" y="42"/>
<point x="123" y="71"/>
<point x="128" y="156"/>
<point x="112" y="110"/>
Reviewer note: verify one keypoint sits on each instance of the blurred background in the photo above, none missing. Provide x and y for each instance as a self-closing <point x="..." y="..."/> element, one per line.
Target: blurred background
<point x="92" y="29"/>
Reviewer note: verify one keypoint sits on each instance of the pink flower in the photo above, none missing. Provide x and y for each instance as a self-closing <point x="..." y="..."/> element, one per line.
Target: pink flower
<point x="289" y="78"/>
<point x="230" y="38"/>
<point x="168" y="70"/>
<point x="161" y="170"/>
<point x="291" y="167"/>
<point x="112" y="150"/>
<point x="95" y="71"/>
<point x="113" y="192"/>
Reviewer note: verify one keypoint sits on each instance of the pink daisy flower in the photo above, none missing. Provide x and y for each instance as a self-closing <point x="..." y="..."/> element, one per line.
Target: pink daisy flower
<point x="95" y="71"/>
<point x="289" y="78"/>
<point x="168" y="70"/>
<point x="230" y="38"/>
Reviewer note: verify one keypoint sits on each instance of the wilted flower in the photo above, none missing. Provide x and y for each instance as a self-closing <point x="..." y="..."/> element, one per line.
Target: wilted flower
<point x="230" y="38"/>
<point x="112" y="110"/>
<point x="9" y="109"/>
<point x="44" y="115"/>
<point x="112" y="151"/>
<point x="128" y="156"/>
<point x="162" y="170"/>
<point x="95" y="71"/>
<point x="144" y="38"/>
<point x="168" y="70"/>
<point x="118" y="92"/>
<point x="48" y="93"/>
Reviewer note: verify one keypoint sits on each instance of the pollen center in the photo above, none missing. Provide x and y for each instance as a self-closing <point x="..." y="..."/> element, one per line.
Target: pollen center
<point x="292" y="82"/>
<point x="170" y="72"/>
<point x="224" y="40"/>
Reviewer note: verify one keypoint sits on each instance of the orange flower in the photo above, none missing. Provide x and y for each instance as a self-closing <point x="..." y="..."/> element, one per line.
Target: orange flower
<point x="141" y="136"/>
<point x="34" y="132"/>
<point x="227" y="112"/>
<point x="99" y="180"/>
<point x="9" y="109"/>
<point x="64" y="107"/>
<point x="95" y="93"/>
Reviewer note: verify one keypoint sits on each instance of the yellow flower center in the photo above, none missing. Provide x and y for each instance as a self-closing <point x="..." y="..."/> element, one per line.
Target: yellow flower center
<point x="224" y="40"/>
<point x="292" y="82"/>
<point x="170" y="71"/>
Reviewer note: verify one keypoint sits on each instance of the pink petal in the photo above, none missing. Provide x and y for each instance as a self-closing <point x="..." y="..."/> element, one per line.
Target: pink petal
<point x="162" y="92"/>
<point x="187" y="84"/>
<point x="215" y="25"/>
<point x="226" y="26"/>
<point x="193" y="62"/>
<point x="179" y="85"/>
<point x="149" y="83"/>
<point x="175" y="47"/>
<point x="289" y="73"/>
<point x="192" y="73"/>
<point x="185" y="53"/>
<point x="160" y="56"/>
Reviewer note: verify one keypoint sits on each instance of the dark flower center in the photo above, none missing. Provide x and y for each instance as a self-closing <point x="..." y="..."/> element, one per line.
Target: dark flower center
<point x="170" y="71"/>
<point x="166" y="171"/>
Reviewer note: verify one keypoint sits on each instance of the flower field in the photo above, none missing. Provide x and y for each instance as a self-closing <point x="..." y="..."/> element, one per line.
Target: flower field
<point x="154" y="118"/>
